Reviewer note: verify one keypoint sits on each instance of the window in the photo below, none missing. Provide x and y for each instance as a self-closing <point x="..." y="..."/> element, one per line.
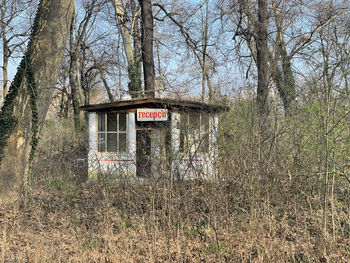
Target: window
<point x="194" y="132"/>
<point x="112" y="131"/>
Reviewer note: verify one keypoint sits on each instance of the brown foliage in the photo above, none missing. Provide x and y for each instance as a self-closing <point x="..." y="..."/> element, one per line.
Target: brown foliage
<point x="190" y="222"/>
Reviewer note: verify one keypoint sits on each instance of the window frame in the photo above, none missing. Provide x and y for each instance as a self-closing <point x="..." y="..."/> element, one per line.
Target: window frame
<point x="117" y="132"/>
<point x="185" y="134"/>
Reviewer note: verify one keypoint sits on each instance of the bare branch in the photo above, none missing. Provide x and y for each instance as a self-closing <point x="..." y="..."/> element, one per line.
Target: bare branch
<point x="304" y="40"/>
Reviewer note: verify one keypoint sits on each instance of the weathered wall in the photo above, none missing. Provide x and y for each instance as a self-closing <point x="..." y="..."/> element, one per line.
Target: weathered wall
<point x="182" y="166"/>
<point x="200" y="165"/>
<point x="111" y="163"/>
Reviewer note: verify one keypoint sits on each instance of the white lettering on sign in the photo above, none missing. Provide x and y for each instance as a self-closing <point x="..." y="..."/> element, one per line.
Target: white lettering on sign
<point x="152" y="114"/>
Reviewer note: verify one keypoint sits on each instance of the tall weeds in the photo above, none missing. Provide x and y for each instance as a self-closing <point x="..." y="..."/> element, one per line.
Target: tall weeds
<point x="262" y="208"/>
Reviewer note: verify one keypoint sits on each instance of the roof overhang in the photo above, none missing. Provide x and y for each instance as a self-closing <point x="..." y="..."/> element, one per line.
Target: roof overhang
<point x="170" y="104"/>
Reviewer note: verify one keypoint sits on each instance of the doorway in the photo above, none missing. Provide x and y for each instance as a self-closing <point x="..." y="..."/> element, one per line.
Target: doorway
<point x="143" y="153"/>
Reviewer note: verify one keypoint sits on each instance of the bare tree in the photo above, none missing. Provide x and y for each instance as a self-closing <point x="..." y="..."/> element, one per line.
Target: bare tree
<point x="281" y="59"/>
<point x="204" y="61"/>
<point x="199" y="47"/>
<point x="88" y="61"/>
<point x="286" y="39"/>
<point x="77" y="34"/>
<point x="330" y="55"/>
<point x="98" y="64"/>
<point x="129" y="29"/>
<point x="13" y="34"/>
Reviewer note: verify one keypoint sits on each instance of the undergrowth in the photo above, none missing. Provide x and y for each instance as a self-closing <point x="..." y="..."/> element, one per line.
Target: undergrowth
<point x="266" y="206"/>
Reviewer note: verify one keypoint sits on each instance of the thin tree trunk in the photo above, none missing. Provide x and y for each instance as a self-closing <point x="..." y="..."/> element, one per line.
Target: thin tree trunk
<point x="4" y="50"/>
<point x="263" y="82"/>
<point x="210" y="88"/>
<point x="131" y="36"/>
<point x="262" y="59"/>
<point x="84" y="85"/>
<point x="120" y="85"/>
<point x="204" y="52"/>
<point x="5" y="59"/>
<point x="72" y="77"/>
<point x="284" y="79"/>
<point x="326" y="93"/>
<point x="4" y="70"/>
<point x="105" y="83"/>
<point x="203" y="84"/>
<point x="147" y="46"/>
<point x="136" y="35"/>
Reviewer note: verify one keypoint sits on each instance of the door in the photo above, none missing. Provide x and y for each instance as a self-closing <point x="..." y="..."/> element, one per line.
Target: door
<point x="143" y="153"/>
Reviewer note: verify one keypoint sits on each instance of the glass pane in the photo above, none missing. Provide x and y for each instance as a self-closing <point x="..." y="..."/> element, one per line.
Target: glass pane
<point x="122" y="122"/>
<point x="101" y="122"/>
<point x="101" y="142"/>
<point x="111" y="121"/>
<point x="111" y="142"/>
<point x="122" y="142"/>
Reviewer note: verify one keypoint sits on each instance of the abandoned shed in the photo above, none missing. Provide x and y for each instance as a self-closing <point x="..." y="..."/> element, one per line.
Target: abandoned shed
<point x="153" y="138"/>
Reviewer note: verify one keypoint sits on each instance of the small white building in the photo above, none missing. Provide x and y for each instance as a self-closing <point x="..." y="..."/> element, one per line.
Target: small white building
<point x="153" y="139"/>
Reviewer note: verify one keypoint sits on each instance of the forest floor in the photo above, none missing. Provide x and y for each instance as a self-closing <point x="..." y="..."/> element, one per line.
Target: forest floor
<point x="192" y="222"/>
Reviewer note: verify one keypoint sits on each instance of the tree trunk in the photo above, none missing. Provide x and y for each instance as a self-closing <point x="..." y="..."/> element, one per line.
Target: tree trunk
<point x="5" y="52"/>
<point x="76" y="37"/>
<point x="5" y="58"/>
<point x="285" y="83"/>
<point x="147" y="46"/>
<point x="262" y="58"/>
<point x="30" y="93"/>
<point x="284" y="78"/>
<point x="205" y="68"/>
<point x="263" y="83"/>
<point x="136" y="35"/>
<point x="5" y="61"/>
<point x="73" y="53"/>
<point x="131" y="36"/>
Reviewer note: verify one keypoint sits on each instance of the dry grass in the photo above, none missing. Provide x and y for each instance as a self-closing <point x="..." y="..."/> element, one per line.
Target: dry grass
<point x="263" y="210"/>
<point x="192" y="222"/>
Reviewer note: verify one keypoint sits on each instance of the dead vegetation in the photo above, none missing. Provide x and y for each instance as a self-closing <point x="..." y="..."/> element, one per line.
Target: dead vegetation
<point x="190" y="222"/>
<point x="260" y="210"/>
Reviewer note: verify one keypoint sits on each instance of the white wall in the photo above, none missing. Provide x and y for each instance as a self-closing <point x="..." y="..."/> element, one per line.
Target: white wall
<point x="112" y="163"/>
<point x="183" y="166"/>
<point x="199" y="165"/>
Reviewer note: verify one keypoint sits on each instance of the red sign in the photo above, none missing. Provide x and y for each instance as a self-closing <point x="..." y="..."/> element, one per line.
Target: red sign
<point x="152" y="114"/>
